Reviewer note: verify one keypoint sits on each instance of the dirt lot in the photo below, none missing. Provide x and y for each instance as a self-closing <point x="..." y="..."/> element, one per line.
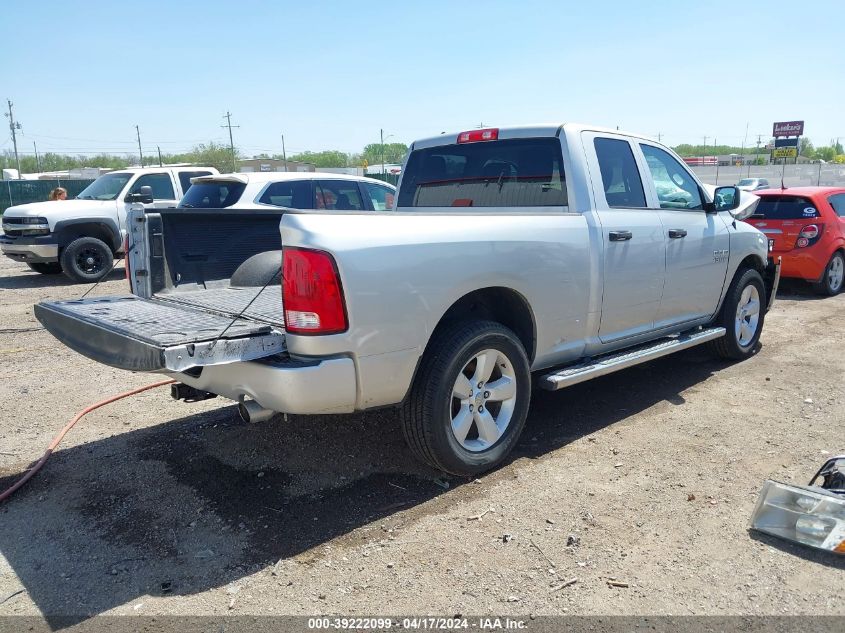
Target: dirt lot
<point x="158" y="507"/>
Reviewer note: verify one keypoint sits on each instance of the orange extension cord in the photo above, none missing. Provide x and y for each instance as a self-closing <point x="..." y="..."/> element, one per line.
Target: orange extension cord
<point x="8" y="493"/>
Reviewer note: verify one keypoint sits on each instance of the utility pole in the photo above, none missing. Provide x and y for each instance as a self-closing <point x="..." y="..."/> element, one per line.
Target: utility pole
<point x="704" y="151"/>
<point x="756" y="154"/>
<point x="381" y="133"/>
<point x="14" y="127"/>
<point x="284" y="153"/>
<point x="228" y="117"/>
<point x="742" y="150"/>
<point x="659" y="137"/>
<point x="160" y="163"/>
<point x="140" y="153"/>
<point x="37" y="161"/>
<point x="717" y="161"/>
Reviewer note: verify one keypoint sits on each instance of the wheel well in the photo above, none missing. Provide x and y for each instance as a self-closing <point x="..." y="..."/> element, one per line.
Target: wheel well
<point x="96" y="230"/>
<point x="751" y="261"/>
<point x="503" y="305"/>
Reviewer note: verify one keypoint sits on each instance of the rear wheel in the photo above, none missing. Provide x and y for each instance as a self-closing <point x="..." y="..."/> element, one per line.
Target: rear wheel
<point x="834" y="274"/>
<point x="742" y="316"/>
<point x="87" y="260"/>
<point x="46" y="268"/>
<point x="469" y="400"/>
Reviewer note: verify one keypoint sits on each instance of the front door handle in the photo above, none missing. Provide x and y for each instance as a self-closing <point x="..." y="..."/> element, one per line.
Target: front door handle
<point x="620" y="236"/>
<point x="677" y="233"/>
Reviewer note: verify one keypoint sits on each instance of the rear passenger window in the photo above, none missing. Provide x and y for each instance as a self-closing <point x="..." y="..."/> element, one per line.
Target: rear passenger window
<point x="675" y="187"/>
<point x="785" y="208"/>
<point x="295" y="194"/>
<point x="380" y="196"/>
<point x="620" y="177"/>
<point x="522" y="172"/>
<point x="338" y="195"/>
<point x="837" y="201"/>
<point x="185" y="178"/>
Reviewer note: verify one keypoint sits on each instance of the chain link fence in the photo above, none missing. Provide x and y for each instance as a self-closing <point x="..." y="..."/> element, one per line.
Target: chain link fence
<point x="14" y="192"/>
<point x="808" y="175"/>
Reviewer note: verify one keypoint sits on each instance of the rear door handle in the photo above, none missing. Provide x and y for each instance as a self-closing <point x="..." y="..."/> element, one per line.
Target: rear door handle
<point x="677" y="233"/>
<point x="620" y="236"/>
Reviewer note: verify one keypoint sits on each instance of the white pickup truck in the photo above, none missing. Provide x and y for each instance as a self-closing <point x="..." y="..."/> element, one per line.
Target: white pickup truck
<point x="554" y="254"/>
<point x="82" y="237"/>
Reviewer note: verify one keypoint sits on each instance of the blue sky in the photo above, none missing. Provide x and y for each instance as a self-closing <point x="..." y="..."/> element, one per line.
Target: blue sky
<point x="331" y="74"/>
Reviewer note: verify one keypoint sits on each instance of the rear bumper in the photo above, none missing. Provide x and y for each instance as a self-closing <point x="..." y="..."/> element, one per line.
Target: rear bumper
<point x="803" y="264"/>
<point x="288" y="386"/>
<point x="29" y="250"/>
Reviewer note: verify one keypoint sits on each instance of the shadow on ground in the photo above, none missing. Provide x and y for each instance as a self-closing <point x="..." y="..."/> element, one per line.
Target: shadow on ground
<point x="31" y="279"/>
<point x="196" y="503"/>
<point x="828" y="559"/>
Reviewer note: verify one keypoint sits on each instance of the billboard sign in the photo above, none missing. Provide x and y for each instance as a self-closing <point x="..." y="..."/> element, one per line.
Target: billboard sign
<point x="788" y="128"/>
<point x="786" y="152"/>
<point x="786" y="142"/>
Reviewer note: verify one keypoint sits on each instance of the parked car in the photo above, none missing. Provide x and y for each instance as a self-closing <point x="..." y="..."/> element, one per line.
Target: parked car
<point x="753" y="184"/>
<point x="806" y="227"/>
<point x="298" y="190"/>
<point x="510" y="252"/>
<point x="82" y="237"/>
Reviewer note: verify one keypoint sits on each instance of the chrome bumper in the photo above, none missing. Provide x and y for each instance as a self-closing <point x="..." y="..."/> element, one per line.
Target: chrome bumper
<point x="289" y="386"/>
<point x="31" y="252"/>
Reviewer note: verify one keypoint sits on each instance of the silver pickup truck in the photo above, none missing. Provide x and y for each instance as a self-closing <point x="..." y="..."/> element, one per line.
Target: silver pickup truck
<point x="544" y="255"/>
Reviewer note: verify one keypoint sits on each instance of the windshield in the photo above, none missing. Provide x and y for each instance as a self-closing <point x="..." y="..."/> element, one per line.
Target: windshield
<point x="106" y="187"/>
<point x="525" y="172"/>
<point x="746" y="182"/>
<point x="212" y="195"/>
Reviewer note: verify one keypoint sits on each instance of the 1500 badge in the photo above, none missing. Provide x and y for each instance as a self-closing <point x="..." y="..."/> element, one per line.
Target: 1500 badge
<point x="720" y="256"/>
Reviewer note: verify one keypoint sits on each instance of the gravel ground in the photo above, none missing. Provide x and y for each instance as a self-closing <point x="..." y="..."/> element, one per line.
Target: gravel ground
<point x="647" y="476"/>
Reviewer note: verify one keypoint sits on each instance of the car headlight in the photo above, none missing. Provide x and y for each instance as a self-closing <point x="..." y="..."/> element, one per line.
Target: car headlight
<point x="810" y="515"/>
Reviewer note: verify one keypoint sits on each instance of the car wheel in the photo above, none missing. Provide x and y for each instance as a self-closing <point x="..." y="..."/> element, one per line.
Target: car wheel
<point x="834" y="274"/>
<point x="46" y="268"/>
<point x="742" y="316"/>
<point x="470" y="398"/>
<point x="87" y="260"/>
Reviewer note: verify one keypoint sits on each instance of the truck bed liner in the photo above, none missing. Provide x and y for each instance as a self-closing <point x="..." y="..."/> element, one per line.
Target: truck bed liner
<point x="138" y="334"/>
<point x="230" y="301"/>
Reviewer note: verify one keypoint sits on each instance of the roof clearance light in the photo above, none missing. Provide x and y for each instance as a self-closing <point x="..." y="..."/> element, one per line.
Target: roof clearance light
<point x="474" y="136"/>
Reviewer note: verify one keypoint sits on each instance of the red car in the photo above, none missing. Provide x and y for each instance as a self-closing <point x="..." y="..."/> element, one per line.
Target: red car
<point x="806" y="227"/>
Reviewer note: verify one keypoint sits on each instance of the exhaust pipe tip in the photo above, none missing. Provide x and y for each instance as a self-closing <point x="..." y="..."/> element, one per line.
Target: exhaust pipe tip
<point x="252" y="412"/>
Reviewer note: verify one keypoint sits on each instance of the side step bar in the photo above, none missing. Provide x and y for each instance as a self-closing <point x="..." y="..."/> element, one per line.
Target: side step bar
<point x="602" y="365"/>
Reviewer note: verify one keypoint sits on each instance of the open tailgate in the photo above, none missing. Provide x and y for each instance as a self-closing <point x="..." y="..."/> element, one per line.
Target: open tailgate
<point x="129" y="332"/>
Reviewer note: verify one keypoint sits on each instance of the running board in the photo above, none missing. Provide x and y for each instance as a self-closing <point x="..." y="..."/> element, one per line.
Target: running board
<point x="602" y="365"/>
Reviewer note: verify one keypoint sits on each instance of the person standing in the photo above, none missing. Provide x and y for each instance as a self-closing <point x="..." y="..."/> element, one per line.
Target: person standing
<point x="59" y="193"/>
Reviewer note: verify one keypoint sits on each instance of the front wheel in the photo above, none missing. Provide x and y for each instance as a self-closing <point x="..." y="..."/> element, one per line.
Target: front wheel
<point x="469" y="400"/>
<point x="742" y="316"/>
<point x="834" y="274"/>
<point x="87" y="260"/>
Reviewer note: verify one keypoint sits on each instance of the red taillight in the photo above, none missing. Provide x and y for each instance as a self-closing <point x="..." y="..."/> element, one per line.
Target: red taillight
<point x="311" y="293"/>
<point x="810" y="231"/>
<point x="809" y="235"/>
<point x="473" y="136"/>
<point x="126" y="261"/>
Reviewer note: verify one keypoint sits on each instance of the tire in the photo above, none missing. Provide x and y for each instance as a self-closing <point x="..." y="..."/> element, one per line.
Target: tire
<point x="87" y="260"/>
<point x="46" y="268"/>
<point x="834" y="274"/>
<point x="433" y="406"/>
<point x="746" y="288"/>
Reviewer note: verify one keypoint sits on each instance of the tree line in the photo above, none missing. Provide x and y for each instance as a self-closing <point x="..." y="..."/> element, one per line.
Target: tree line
<point x="220" y="156"/>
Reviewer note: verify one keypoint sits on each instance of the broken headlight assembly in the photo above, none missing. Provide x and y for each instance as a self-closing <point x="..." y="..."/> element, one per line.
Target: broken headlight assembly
<point x="812" y="515"/>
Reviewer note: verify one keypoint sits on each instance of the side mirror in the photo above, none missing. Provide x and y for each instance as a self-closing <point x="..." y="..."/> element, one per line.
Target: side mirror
<point x="726" y="198"/>
<point x="144" y="195"/>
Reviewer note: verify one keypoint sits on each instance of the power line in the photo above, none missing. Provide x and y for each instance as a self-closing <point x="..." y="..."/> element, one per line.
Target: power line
<point x="14" y="127"/>
<point x="140" y="152"/>
<point x="228" y="117"/>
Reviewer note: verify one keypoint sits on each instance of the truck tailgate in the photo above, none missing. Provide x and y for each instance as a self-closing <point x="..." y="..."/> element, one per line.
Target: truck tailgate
<point x="137" y="334"/>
